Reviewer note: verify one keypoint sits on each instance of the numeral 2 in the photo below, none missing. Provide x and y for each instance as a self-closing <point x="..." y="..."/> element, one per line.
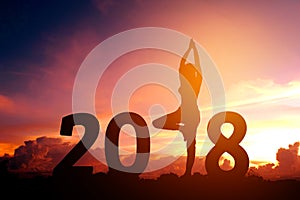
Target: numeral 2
<point x="91" y="125"/>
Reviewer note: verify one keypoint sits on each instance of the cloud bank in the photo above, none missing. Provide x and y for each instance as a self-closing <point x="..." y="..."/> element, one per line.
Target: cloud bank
<point x="43" y="154"/>
<point x="288" y="165"/>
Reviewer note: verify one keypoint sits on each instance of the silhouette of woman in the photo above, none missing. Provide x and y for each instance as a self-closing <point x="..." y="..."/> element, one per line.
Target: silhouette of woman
<point x="187" y="117"/>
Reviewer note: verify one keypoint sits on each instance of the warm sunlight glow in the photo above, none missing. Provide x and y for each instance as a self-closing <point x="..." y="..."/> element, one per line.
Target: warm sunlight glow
<point x="127" y="145"/>
<point x="227" y="129"/>
<point x="226" y="162"/>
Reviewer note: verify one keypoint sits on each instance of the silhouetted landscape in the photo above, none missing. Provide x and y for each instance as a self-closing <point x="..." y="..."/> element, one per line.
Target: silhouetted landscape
<point x="129" y="186"/>
<point x="86" y="182"/>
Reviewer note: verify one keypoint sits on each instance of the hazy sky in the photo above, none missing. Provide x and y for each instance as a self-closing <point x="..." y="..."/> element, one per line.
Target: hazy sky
<point x="254" y="44"/>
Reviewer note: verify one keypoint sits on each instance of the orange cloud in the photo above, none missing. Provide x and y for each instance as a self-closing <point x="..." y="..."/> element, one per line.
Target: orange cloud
<point x="288" y="164"/>
<point x="6" y="104"/>
<point x="7" y="148"/>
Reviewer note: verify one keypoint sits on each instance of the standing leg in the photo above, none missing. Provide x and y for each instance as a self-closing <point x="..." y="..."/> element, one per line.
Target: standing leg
<point x="191" y="151"/>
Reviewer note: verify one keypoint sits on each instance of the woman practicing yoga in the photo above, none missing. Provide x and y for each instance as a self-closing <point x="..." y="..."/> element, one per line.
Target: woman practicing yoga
<point x="187" y="117"/>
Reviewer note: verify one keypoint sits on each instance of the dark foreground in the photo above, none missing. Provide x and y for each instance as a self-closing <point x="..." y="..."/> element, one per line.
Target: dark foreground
<point x="169" y="186"/>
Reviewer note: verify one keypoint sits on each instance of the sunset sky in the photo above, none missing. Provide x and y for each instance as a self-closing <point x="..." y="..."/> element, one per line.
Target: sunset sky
<point x="254" y="45"/>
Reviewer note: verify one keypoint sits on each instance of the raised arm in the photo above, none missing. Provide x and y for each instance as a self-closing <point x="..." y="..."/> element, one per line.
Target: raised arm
<point x="196" y="55"/>
<point x="183" y="59"/>
<point x="193" y="47"/>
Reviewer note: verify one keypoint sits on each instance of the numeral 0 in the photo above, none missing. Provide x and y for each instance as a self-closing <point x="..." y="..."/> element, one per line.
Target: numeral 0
<point x="142" y="142"/>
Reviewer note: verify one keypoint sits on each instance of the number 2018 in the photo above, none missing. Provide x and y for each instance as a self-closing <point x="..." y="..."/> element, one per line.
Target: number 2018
<point x="91" y="125"/>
